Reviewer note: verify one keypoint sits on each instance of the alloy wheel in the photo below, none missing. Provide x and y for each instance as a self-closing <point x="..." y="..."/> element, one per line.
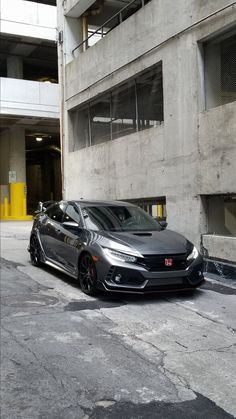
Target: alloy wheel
<point x="87" y="275"/>
<point x="35" y="252"/>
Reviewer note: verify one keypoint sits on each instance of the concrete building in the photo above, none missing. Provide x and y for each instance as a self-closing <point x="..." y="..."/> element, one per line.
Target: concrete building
<point x="29" y="104"/>
<point x="148" y="94"/>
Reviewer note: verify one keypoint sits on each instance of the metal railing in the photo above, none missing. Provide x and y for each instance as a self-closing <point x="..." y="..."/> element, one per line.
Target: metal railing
<point x="101" y="30"/>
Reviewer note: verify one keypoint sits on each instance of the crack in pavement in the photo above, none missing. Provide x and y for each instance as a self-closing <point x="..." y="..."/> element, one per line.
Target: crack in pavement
<point x="130" y="349"/>
<point x="59" y="382"/>
<point x="204" y="316"/>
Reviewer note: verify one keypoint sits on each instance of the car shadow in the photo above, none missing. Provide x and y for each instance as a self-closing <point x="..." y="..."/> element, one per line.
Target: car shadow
<point x="113" y="298"/>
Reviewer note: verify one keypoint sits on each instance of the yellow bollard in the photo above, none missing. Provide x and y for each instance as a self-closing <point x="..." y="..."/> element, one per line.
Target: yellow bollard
<point x="5" y="207"/>
<point x="17" y="209"/>
<point x="16" y="199"/>
<point x="24" y="206"/>
<point x="160" y="211"/>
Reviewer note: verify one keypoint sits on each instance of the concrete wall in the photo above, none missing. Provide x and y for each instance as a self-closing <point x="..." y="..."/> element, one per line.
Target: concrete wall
<point x="169" y="160"/>
<point x="26" y="18"/>
<point x="31" y="98"/>
<point x="217" y="147"/>
<point x="220" y="247"/>
<point x="149" y="27"/>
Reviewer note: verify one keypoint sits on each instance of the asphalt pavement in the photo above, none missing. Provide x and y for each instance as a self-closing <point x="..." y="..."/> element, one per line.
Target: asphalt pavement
<point x="65" y="355"/>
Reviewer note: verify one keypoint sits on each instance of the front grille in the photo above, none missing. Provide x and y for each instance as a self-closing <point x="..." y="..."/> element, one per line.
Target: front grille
<point x="155" y="263"/>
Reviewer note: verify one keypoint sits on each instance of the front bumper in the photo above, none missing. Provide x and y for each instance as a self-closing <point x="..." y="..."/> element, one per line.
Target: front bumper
<point x="133" y="278"/>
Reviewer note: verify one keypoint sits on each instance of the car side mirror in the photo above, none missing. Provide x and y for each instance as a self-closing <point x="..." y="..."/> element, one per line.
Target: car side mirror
<point x="163" y="224"/>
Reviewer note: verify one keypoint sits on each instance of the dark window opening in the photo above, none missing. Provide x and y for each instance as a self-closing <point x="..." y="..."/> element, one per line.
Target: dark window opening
<point x="35" y="59"/>
<point x="123" y="110"/>
<point x="100" y="120"/>
<point x="133" y="106"/>
<point x="220" y="70"/>
<point x="40" y="72"/>
<point x="221" y="214"/>
<point x="3" y="68"/>
<point x="155" y="206"/>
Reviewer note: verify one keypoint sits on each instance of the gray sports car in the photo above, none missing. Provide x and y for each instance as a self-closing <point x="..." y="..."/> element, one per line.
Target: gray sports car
<point x="113" y="246"/>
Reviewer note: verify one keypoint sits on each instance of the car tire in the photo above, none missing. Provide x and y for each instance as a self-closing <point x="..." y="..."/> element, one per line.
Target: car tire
<point x="35" y="251"/>
<point x="87" y="275"/>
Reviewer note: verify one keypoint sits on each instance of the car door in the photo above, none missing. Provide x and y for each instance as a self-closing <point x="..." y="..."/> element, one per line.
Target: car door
<point x="71" y="238"/>
<point x="50" y="231"/>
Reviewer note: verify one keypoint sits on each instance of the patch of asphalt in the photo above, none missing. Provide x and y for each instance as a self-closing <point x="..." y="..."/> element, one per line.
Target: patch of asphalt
<point x="192" y="409"/>
<point x="14" y="282"/>
<point x="8" y="264"/>
<point x="32" y="300"/>
<point x="93" y="305"/>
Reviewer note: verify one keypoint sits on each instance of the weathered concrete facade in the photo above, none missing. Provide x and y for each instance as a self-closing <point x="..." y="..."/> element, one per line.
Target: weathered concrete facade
<point x="192" y="153"/>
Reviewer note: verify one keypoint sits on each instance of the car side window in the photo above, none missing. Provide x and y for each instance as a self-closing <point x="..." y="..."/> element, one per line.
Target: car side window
<point x="72" y="214"/>
<point x="55" y="212"/>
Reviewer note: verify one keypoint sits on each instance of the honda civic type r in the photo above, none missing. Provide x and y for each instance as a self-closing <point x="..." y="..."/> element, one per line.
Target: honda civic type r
<point x="113" y="246"/>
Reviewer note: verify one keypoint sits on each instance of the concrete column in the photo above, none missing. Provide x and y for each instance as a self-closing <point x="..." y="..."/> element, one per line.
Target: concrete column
<point x="17" y="153"/>
<point x="15" y="67"/>
<point x="4" y="156"/>
<point x="73" y="34"/>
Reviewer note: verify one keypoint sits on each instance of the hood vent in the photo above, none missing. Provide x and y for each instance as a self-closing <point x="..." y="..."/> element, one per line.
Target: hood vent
<point x="144" y="234"/>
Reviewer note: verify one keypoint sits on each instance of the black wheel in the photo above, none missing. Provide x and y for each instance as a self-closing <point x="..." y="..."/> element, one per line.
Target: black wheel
<point x="35" y="252"/>
<point x="87" y="275"/>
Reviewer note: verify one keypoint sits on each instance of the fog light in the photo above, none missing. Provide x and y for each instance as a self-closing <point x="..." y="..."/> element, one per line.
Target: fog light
<point x="117" y="278"/>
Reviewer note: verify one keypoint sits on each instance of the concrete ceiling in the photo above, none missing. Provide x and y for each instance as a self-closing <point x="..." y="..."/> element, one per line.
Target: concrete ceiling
<point x="48" y="129"/>
<point x="32" y="49"/>
<point x="35" y="125"/>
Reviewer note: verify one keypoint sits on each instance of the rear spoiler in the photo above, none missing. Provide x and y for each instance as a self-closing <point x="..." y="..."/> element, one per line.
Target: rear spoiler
<point x="42" y="206"/>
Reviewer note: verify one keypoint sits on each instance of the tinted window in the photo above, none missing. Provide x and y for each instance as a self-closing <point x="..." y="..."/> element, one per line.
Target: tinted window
<point x="118" y="218"/>
<point x="123" y="110"/>
<point x="100" y="120"/>
<point x="72" y="214"/>
<point x="55" y="212"/>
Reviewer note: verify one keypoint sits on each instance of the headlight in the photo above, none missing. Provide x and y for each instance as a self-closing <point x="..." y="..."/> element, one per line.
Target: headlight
<point x="193" y="255"/>
<point x="120" y="256"/>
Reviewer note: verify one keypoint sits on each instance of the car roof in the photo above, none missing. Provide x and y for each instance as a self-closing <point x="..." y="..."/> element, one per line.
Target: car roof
<point x="92" y="203"/>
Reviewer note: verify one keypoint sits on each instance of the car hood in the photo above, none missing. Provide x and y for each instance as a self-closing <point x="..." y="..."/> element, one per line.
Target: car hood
<point x="152" y="242"/>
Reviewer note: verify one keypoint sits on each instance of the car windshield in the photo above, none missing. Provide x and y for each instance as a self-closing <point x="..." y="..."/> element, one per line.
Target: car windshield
<point x="118" y="218"/>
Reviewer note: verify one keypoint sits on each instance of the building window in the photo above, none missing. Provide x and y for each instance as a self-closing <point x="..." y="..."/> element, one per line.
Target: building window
<point x="149" y="99"/>
<point x="81" y="129"/>
<point x="123" y="113"/>
<point x="132" y="106"/>
<point x="220" y="70"/>
<point x="221" y="214"/>
<point x="100" y="120"/>
<point x="156" y="207"/>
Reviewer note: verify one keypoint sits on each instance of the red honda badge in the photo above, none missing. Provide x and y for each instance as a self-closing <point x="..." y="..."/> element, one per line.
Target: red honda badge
<point x="168" y="262"/>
